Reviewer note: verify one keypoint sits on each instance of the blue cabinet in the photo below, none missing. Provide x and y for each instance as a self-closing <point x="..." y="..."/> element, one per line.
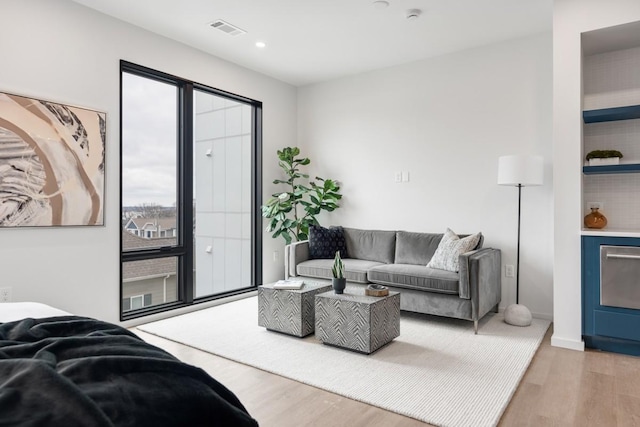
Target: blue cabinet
<point x="605" y="327"/>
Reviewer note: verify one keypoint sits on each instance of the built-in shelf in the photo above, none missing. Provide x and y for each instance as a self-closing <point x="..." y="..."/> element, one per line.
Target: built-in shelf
<point x="625" y="168"/>
<point x="611" y="114"/>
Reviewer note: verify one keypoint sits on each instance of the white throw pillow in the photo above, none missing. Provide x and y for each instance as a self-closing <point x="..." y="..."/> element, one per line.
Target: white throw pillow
<point x="450" y="248"/>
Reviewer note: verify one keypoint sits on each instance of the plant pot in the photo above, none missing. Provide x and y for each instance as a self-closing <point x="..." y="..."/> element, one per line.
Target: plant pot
<point x="604" y="161"/>
<point x="339" y="285"/>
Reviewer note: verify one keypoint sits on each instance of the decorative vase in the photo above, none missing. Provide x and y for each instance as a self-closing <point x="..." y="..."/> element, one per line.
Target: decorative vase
<point x="595" y="219"/>
<point x="339" y="285"/>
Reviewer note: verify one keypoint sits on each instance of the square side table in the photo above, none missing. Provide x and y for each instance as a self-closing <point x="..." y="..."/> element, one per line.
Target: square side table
<point x="290" y="311"/>
<point x="357" y="322"/>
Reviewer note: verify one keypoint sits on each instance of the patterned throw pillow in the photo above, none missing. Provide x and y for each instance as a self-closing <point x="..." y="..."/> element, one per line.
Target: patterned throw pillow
<point x="450" y="248"/>
<point x="324" y="242"/>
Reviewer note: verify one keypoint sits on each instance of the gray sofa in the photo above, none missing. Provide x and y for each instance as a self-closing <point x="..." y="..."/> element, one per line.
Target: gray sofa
<point x="398" y="259"/>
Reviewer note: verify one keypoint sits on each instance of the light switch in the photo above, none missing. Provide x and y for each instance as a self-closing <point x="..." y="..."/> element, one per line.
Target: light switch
<point x="398" y="176"/>
<point x="405" y="176"/>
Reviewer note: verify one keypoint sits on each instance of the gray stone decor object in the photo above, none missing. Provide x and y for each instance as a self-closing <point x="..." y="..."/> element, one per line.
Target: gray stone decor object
<point x="357" y="322"/>
<point x="517" y="315"/>
<point x="290" y="311"/>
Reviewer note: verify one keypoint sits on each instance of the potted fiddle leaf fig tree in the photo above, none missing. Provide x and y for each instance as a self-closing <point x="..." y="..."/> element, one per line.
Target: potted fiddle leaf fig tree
<point x="339" y="282"/>
<point x="292" y="211"/>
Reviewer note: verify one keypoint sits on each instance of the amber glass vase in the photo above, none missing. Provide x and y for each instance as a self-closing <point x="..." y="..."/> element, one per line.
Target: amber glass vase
<point x="595" y="219"/>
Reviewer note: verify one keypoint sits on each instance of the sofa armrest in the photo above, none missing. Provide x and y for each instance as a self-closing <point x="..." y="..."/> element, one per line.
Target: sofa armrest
<point x="480" y="279"/>
<point x="294" y="254"/>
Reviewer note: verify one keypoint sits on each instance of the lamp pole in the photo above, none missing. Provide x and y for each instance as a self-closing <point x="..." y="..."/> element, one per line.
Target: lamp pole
<point x="518" y="251"/>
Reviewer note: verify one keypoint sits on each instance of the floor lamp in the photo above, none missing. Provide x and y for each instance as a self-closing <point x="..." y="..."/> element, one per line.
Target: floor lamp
<point x="520" y="171"/>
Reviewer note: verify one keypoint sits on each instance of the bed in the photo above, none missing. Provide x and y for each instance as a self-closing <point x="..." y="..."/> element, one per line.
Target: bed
<point x="57" y="369"/>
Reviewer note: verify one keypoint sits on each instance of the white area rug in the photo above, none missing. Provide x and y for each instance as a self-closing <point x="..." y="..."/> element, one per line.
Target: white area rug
<point x="436" y="371"/>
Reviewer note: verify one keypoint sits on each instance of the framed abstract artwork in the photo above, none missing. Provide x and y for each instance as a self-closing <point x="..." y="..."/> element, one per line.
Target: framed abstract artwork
<point x="51" y="163"/>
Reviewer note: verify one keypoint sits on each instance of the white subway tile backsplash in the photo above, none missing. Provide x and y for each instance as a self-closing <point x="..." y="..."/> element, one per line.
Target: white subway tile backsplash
<point x="612" y="79"/>
<point x="620" y="194"/>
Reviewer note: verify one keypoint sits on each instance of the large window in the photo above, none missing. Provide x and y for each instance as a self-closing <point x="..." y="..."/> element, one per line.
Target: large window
<point x="190" y="181"/>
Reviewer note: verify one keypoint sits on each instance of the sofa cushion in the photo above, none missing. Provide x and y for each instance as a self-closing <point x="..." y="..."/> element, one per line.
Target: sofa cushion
<point x="417" y="277"/>
<point x="371" y="245"/>
<point x="416" y="248"/>
<point x="449" y="250"/>
<point x="325" y="242"/>
<point x="355" y="270"/>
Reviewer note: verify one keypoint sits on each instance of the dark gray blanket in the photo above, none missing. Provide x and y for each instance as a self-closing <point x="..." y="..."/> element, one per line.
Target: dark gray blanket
<point x="76" y="371"/>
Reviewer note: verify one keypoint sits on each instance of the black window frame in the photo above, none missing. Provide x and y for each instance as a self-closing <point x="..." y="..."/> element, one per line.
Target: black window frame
<point x="184" y="251"/>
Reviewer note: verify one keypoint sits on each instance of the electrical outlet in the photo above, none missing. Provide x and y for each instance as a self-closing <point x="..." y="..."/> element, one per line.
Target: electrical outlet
<point x="599" y="205"/>
<point x="275" y="256"/>
<point x="5" y="294"/>
<point x="509" y="270"/>
<point x="398" y="176"/>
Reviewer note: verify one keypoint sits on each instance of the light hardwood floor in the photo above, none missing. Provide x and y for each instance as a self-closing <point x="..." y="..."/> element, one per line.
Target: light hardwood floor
<point x="560" y="388"/>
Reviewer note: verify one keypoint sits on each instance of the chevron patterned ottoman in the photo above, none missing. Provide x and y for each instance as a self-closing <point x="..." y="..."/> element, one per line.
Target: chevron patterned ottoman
<point x="290" y="311"/>
<point x="357" y="322"/>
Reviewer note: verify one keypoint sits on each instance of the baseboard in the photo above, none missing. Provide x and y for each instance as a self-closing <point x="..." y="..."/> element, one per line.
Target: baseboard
<point x="545" y="316"/>
<point x="565" y="343"/>
<point x="535" y="315"/>
<point x="184" y="310"/>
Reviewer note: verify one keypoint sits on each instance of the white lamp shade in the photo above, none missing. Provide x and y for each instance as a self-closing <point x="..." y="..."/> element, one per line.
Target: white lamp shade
<point x="523" y="169"/>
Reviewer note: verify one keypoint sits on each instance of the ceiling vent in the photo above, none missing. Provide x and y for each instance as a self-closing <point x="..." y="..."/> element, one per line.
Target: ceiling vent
<point x="227" y="28"/>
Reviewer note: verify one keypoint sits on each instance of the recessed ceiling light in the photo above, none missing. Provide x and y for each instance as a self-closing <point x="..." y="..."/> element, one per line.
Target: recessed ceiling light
<point x="261" y="45"/>
<point x="380" y="4"/>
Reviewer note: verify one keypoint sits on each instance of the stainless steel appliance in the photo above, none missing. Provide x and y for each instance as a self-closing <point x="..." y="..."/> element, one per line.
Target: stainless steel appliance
<point x="620" y="276"/>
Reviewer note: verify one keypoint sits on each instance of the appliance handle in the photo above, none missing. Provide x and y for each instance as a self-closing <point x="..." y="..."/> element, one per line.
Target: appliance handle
<point x="623" y="256"/>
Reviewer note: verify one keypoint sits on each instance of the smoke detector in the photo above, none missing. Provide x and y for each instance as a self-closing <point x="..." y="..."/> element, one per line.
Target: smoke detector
<point x="227" y="28"/>
<point x="413" y="14"/>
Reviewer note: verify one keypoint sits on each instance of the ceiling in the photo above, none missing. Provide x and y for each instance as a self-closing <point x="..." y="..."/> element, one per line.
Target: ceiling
<point x="316" y="40"/>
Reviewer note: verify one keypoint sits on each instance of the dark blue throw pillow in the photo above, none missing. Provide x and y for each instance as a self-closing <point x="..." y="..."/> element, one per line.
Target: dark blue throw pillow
<point x="325" y="242"/>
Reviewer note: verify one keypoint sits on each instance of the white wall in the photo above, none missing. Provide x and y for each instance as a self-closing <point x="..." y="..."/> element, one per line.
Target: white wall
<point x="60" y="51"/>
<point x="570" y="19"/>
<point x="445" y="121"/>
